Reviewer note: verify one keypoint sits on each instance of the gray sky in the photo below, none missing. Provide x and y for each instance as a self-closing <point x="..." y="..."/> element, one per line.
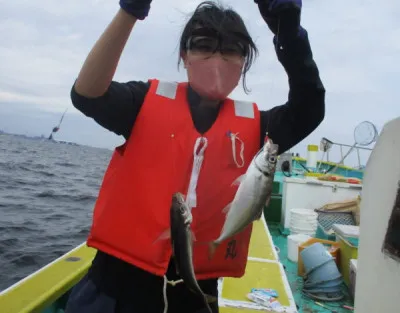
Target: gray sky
<point x="43" y="44"/>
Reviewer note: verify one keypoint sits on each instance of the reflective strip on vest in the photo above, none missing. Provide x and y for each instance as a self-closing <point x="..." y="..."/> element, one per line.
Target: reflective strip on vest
<point x="167" y="89"/>
<point x="244" y="109"/>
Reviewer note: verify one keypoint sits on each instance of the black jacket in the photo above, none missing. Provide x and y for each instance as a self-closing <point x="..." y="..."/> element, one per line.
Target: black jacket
<point x="287" y="124"/>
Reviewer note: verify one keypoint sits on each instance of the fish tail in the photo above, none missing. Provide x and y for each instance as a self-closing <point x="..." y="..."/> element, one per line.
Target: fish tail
<point x="212" y="246"/>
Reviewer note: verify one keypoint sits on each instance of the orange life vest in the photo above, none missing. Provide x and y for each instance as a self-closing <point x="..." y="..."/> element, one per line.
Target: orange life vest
<point x="133" y="206"/>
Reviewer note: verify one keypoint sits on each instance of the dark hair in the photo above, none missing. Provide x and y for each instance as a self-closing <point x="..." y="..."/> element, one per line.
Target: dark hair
<point x="225" y="21"/>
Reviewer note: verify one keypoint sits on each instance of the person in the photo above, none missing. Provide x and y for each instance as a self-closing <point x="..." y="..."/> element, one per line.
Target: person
<point x="187" y="137"/>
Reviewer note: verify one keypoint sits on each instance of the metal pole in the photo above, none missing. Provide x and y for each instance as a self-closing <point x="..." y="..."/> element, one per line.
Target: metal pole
<point x="358" y="156"/>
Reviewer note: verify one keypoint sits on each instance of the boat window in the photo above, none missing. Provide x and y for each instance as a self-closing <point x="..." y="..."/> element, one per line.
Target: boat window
<point x="391" y="245"/>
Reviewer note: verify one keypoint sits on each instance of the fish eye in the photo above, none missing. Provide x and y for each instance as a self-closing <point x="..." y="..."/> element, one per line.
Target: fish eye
<point x="272" y="159"/>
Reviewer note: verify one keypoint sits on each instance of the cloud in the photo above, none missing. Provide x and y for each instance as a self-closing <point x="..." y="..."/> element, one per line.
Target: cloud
<point x="44" y="43"/>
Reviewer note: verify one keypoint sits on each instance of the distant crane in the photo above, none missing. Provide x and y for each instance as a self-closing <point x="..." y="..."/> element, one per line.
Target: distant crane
<point x="57" y="128"/>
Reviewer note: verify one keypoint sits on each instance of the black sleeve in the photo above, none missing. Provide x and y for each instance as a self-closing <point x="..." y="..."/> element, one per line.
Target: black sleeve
<point x="117" y="109"/>
<point x="290" y="123"/>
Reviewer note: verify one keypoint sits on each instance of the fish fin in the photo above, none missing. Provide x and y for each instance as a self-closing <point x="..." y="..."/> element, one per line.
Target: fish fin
<point x="210" y="298"/>
<point x="238" y="180"/>
<point x="226" y="209"/>
<point x="193" y="236"/>
<point x="212" y="246"/>
<point x="164" y="235"/>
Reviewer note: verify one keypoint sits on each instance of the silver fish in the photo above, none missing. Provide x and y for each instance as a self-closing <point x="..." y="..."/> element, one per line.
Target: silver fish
<point x="255" y="189"/>
<point x="182" y="246"/>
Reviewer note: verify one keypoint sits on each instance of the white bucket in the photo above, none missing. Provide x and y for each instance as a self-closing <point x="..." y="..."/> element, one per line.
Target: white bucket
<point x="303" y="221"/>
<point x="302" y="231"/>
<point x="293" y="245"/>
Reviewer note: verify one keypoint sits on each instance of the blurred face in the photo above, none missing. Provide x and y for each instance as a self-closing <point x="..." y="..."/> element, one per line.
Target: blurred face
<point x="214" y="63"/>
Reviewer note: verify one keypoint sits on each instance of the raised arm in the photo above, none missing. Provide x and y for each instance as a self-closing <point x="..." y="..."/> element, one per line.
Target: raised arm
<point x="100" y="65"/>
<point x="99" y="68"/>
<point x="111" y="104"/>
<point x="290" y="123"/>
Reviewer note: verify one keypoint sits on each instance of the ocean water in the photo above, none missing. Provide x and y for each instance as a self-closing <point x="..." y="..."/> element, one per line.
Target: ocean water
<point x="47" y="194"/>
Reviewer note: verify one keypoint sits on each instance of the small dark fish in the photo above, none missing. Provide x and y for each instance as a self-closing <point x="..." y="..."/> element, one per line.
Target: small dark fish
<point x="182" y="245"/>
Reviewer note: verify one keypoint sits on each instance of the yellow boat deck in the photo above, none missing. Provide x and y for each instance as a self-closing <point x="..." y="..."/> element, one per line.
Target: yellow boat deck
<point x="263" y="271"/>
<point x="44" y="287"/>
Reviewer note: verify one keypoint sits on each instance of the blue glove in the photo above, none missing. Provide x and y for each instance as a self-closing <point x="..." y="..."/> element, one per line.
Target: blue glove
<point x="138" y="8"/>
<point x="282" y="16"/>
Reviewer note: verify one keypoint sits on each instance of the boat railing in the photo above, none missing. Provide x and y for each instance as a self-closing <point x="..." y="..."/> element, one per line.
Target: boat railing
<point x="344" y="149"/>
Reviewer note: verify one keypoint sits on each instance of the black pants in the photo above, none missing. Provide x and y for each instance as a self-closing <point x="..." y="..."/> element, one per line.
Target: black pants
<point x="87" y="298"/>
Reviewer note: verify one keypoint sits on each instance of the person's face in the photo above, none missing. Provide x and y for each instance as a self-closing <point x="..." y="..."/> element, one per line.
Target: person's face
<point x="214" y="64"/>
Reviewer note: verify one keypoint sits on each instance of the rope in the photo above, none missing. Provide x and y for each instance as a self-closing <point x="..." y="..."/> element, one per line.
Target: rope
<point x="172" y="283"/>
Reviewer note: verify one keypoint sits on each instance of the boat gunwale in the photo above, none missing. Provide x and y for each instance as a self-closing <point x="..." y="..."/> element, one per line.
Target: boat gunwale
<point x="39" y="301"/>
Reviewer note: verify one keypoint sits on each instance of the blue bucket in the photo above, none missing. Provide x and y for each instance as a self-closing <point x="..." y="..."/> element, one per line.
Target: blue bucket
<point x="324" y="283"/>
<point x="314" y="256"/>
<point x="323" y="273"/>
<point x="324" y="296"/>
<point x="319" y="264"/>
<point x="325" y="290"/>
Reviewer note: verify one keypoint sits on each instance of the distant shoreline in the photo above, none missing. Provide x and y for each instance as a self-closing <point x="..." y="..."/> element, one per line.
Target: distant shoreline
<point x="45" y="138"/>
<point x="42" y="138"/>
